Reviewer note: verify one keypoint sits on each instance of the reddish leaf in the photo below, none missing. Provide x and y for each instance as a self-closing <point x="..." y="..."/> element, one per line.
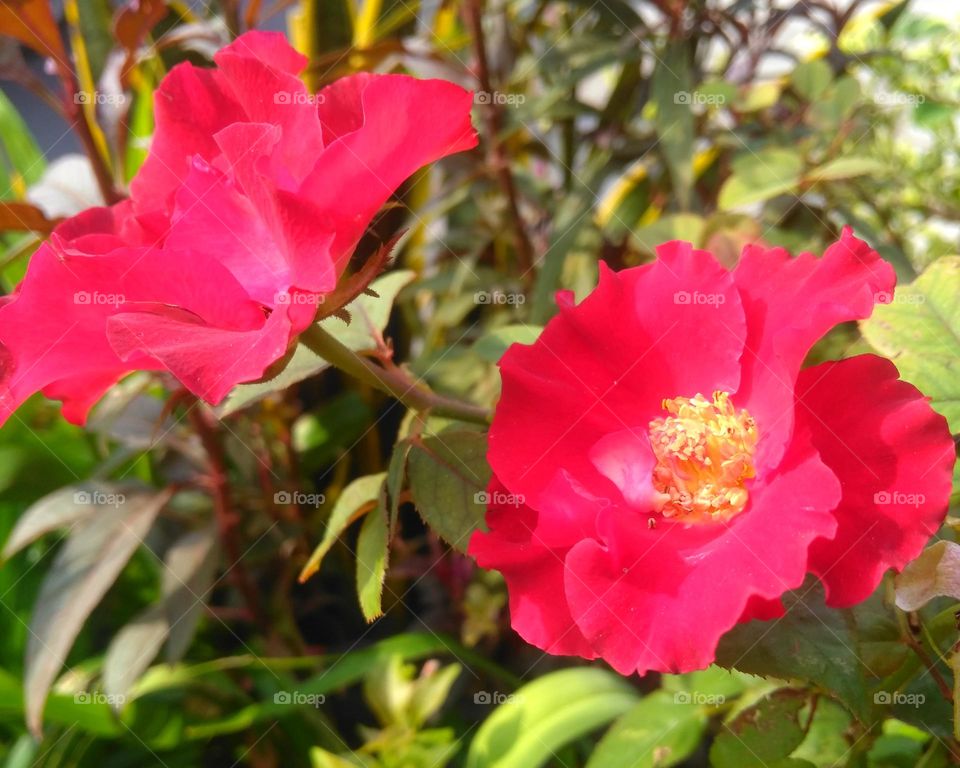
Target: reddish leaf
<point x="33" y="24"/>
<point x="23" y="216"/>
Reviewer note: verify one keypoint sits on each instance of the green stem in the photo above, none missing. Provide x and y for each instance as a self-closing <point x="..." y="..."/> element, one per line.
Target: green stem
<point x="390" y="379"/>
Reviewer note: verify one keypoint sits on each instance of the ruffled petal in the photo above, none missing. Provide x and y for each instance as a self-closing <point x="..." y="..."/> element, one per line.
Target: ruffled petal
<point x="790" y="304"/>
<point x="260" y="70"/>
<point x="893" y="454"/>
<point x="53" y="329"/>
<point x="661" y="598"/>
<point x="533" y="571"/>
<point x="182" y="132"/>
<point x="209" y="361"/>
<point x="401" y="125"/>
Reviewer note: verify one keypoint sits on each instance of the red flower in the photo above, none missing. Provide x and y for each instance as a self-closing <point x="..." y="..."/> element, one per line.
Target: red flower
<point x="664" y="468"/>
<point x="246" y="211"/>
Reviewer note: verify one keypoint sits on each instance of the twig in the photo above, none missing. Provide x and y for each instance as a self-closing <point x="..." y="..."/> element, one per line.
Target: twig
<point x="226" y="519"/>
<point x="496" y="154"/>
<point x="390" y="378"/>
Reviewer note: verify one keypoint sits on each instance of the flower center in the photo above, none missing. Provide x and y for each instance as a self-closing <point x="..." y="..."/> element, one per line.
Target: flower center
<point x="704" y="451"/>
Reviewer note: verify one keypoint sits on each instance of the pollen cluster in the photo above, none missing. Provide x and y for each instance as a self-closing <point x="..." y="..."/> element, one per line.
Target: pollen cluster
<point x="704" y="450"/>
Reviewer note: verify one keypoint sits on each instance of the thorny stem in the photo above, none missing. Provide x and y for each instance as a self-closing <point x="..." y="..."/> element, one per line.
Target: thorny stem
<point x="226" y="519"/>
<point x="496" y="154"/>
<point x="391" y="379"/>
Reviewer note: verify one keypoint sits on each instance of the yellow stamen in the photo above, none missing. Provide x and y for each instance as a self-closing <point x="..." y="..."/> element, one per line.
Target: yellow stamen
<point x="704" y="454"/>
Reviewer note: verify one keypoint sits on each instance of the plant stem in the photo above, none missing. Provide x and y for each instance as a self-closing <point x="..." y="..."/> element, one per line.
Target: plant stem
<point x="496" y="154"/>
<point x="226" y="519"/>
<point x="390" y="379"/>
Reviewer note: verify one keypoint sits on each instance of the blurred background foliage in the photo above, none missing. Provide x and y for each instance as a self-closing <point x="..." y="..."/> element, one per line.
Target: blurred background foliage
<point x="160" y="602"/>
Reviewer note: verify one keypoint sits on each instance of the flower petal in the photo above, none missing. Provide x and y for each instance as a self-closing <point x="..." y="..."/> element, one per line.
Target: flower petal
<point x="405" y="123"/>
<point x="893" y="454"/>
<point x="533" y="571"/>
<point x="790" y="304"/>
<point x="674" y="327"/>
<point x="660" y="599"/>
<point x="209" y="361"/>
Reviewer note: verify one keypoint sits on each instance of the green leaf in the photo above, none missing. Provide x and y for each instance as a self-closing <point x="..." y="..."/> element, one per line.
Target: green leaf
<point x="20" y="152"/>
<point x="396" y="473"/>
<point x="681" y="226"/>
<point x="63" y="508"/>
<point x="760" y="176"/>
<point x="658" y="732"/>
<point x="343" y="670"/>
<point x="554" y="710"/>
<point x="358" y="498"/>
<point x="95" y="24"/>
<point x="919" y="329"/>
<point x="846" y="652"/>
<point x="448" y="478"/>
<point x="671" y="93"/>
<point x="82" y="572"/>
<point x="762" y="735"/>
<point x="493" y="344"/>
<point x="188" y="570"/>
<point x="833" y="107"/>
<point x="812" y="78"/>
<point x="368" y="314"/>
<point x="934" y="574"/>
<point x="826" y="744"/>
<point x="67" y="709"/>
<point x="845" y="168"/>
<point x="372" y="555"/>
